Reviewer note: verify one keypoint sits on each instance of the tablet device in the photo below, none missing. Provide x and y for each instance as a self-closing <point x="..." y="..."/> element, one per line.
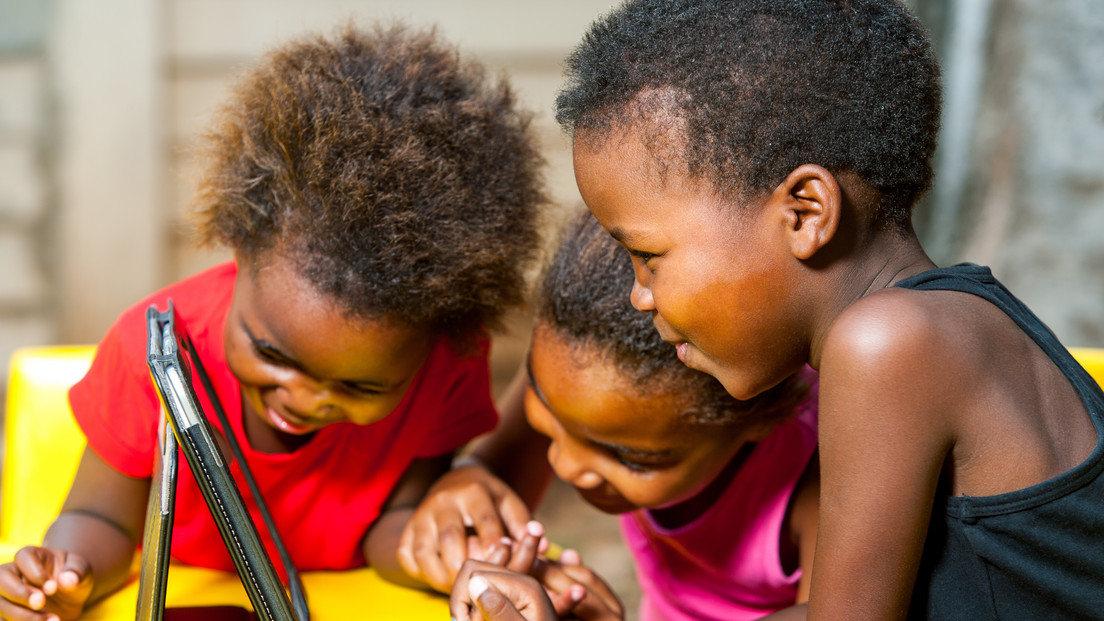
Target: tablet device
<point x="158" y="532"/>
<point x="172" y="376"/>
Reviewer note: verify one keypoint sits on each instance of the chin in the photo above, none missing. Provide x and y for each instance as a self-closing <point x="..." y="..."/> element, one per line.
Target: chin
<point x="612" y="505"/>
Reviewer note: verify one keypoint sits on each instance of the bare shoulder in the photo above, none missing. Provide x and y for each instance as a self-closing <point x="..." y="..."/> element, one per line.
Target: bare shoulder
<point x="897" y="341"/>
<point x="952" y="371"/>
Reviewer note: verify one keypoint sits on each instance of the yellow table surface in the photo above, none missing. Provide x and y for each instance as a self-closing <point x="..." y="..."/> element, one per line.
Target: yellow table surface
<point x="331" y="596"/>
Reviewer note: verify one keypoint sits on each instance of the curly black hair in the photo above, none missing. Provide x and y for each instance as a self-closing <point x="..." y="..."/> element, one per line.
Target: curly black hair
<point x="402" y="182"/>
<point x="760" y="87"/>
<point x="584" y="300"/>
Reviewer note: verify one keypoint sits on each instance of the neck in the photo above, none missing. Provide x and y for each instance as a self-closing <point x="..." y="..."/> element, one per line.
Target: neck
<point x="887" y="257"/>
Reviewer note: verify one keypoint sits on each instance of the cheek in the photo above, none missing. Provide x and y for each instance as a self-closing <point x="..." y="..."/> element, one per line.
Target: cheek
<point x="366" y="413"/>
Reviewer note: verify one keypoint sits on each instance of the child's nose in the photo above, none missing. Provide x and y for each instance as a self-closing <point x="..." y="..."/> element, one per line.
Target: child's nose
<point x="641" y="297"/>
<point x="305" y="396"/>
<point x="568" y="467"/>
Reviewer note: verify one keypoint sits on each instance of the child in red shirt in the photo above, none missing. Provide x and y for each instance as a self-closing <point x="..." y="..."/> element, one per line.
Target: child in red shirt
<point x="364" y="183"/>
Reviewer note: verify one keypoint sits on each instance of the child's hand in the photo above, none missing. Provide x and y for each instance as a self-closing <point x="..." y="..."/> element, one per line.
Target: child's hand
<point x="484" y="590"/>
<point x="435" y="543"/>
<point x="572" y="589"/>
<point x="563" y="580"/>
<point x="44" y="584"/>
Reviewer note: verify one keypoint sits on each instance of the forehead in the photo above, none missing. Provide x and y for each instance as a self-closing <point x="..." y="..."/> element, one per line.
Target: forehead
<point x="635" y="202"/>
<point x="592" y="399"/>
<point x="281" y="307"/>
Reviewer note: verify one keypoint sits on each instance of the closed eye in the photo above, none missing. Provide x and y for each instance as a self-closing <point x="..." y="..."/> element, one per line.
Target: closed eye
<point x="270" y="355"/>
<point x="635" y="466"/>
<point x="363" y="389"/>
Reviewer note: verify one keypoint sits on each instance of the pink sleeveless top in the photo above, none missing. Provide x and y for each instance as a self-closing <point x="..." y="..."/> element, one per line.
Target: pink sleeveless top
<point x="726" y="565"/>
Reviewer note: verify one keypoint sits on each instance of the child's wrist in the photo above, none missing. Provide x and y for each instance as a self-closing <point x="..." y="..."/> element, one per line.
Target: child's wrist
<point x="468" y="460"/>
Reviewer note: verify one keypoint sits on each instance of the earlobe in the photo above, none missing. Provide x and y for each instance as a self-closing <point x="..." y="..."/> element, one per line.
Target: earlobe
<point x="813" y="203"/>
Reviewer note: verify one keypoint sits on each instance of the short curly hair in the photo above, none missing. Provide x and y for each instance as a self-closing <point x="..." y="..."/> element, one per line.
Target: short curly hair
<point x="584" y="300"/>
<point x="760" y="87"/>
<point x="402" y="182"/>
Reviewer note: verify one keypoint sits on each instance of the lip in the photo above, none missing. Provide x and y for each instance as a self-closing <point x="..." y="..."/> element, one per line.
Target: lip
<point x="613" y="504"/>
<point x="287" y="424"/>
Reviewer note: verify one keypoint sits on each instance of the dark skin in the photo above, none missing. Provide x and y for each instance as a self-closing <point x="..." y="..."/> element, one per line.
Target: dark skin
<point x="302" y="363"/>
<point x="489" y="494"/>
<point x="586" y="406"/>
<point x="916" y="387"/>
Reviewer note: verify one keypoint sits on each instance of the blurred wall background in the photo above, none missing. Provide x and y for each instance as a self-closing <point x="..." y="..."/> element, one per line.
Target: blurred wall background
<point x="101" y="101"/>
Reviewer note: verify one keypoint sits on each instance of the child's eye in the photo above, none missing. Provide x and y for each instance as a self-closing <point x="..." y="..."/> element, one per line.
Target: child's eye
<point x="635" y="466"/>
<point x="269" y="355"/>
<point x="370" y="390"/>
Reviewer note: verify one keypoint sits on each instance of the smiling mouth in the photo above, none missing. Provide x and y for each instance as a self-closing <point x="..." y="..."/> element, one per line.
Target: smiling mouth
<point x="286" y="424"/>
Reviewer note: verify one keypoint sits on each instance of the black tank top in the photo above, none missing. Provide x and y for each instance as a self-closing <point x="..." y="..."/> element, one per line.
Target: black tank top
<point x="1035" y="553"/>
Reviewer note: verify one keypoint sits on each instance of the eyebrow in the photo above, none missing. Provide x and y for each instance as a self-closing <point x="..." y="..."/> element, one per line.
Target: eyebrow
<point x="617" y="448"/>
<point x="292" y="362"/>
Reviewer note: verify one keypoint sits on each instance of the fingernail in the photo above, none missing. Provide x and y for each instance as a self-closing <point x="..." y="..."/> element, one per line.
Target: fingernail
<point x="477" y="586"/>
<point x="542" y="547"/>
<point x="578" y="592"/>
<point x="506" y="541"/>
<point x="534" y="528"/>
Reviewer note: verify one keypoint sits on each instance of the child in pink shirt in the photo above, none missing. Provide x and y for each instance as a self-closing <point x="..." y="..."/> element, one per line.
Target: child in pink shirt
<point x="717" y="497"/>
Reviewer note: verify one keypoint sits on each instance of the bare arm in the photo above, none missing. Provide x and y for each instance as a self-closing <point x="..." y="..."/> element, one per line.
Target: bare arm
<point x="884" y="435"/>
<point x="102" y="521"/>
<point x="803" y="524"/>
<point x="382" y="541"/>
<point x="513" y="451"/>
<point x="87" y="551"/>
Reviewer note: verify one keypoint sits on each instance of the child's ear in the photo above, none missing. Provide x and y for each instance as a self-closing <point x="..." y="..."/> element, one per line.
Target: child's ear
<point x="812" y="202"/>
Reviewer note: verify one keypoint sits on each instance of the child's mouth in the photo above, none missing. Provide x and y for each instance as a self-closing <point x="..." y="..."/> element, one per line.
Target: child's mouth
<point x="285" y="425"/>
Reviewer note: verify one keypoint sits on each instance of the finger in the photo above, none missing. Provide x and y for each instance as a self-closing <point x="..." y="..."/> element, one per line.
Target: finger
<point x="566" y="602"/>
<point x="405" y="552"/>
<point x="35" y="565"/>
<point x="526" y="551"/>
<point x="587" y="577"/>
<point x="475" y="548"/>
<point x="514" y="513"/>
<point x="74" y="578"/>
<point x="460" y="604"/>
<point x="14" y="612"/>
<point x="428" y="562"/>
<point x="452" y="541"/>
<point x="481" y="511"/>
<point x="499" y="552"/>
<point x="492" y="604"/>
<point x="13" y="588"/>
<point x="596" y="588"/>
<point x="570" y="556"/>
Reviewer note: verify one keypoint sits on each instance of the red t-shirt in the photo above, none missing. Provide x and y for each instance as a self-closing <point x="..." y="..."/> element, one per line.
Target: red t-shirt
<point x="325" y="495"/>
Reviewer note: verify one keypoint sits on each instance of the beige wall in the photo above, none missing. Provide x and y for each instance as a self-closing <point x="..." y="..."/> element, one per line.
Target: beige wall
<point x="118" y="90"/>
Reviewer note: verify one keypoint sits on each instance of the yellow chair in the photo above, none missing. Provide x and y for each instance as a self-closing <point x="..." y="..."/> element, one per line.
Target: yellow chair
<point x="1093" y="361"/>
<point x="43" y="447"/>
